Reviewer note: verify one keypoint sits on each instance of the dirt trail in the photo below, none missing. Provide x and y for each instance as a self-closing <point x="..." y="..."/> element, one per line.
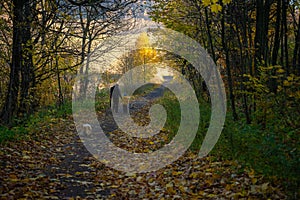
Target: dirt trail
<point x="54" y="164"/>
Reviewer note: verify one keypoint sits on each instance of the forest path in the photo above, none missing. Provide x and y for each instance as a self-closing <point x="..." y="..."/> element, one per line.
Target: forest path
<point x="78" y="169"/>
<point x="53" y="163"/>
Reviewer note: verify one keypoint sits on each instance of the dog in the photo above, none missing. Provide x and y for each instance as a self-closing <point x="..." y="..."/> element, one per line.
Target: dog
<point x="86" y="129"/>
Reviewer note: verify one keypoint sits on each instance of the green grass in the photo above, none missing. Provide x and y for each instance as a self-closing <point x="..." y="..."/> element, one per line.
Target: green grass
<point x="102" y="99"/>
<point x="172" y="107"/>
<point x="145" y="89"/>
<point x="272" y="151"/>
<point x="15" y="133"/>
<point x="170" y="103"/>
<point x="23" y="127"/>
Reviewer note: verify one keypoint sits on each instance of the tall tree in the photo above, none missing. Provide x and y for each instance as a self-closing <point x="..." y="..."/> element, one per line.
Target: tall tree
<point x="277" y="33"/>
<point x="261" y="33"/>
<point x="227" y="60"/>
<point x="42" y="32"/>
<point x="21" y="60"/>
<point x="296" y="54"/>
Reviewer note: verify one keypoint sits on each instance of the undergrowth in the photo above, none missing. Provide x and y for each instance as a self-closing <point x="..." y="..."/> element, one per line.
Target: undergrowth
<point x="21" y="128"/>
<point x="272" y="151"/>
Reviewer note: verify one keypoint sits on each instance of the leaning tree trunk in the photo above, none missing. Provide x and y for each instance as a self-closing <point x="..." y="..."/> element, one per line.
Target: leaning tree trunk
<point x="213" y="54"/>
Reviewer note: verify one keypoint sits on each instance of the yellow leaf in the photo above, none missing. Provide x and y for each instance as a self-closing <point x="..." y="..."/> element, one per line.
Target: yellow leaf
<point x="174" y="173"/>
<point x="251" y="173"/>
<point x="53" y="159"/>
<point x="254" y="180"/>
<point x="228" y="187"/>
<point x="238" y="195"/>
<point x="182" y="189"/>
<point x="209" y="182"/>
<point x="13" y="176"/>
<point x="297" y="94"/>
<point x="52" y="190"/>
<point x="226" y="1"/>
<point x="169" y="185"/>
<point x="211" y="195"/>
<point x="206" y="2"/>
<point x="171" y="190"/>
<point x="286" y="83"/>
<point x="193" y="175"/>
<point x="31" y="165"/>
<point x="201" y="193"/>
<point x="264" y="187"/>
<point x="26" y="157"/>
<point x="280" y="71"/>
<point x="289" y="78"/>
<point x="216" y="8"/>
<point x="67" y="175"/>
<point x="139" y="179"/>
<point x="130" y="174"/>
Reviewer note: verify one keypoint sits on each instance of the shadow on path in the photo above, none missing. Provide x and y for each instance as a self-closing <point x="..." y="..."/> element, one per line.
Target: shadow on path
<point x="78" y="169"/>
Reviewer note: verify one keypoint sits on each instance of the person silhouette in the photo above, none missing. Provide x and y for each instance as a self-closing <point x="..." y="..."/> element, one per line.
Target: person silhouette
<point x="115" y="94"/>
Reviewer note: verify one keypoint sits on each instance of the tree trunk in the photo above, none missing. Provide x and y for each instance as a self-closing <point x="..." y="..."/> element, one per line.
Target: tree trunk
<point x="27" y="71"/>
<point x="87" y="66"/>
<point x="245" y="61"/>
<point x="60" y="94"/>
<point x="273" y="81"/>
<point x="209" y="36"/>
<point x="258" y="34"/>
<point x="285" y="35"/>
<point x="266" y="19"/>
<point x="230" y="84"/>
<point x="85" y="29"/>
<point x="11" y="103"/>
<point x="261" y="34"/>
<point x="277" y="34"/>
<point x="297" y="51"/>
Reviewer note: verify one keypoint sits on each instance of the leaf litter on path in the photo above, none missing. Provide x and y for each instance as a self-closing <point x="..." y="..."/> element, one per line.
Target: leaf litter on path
<point x="52" y="163"/>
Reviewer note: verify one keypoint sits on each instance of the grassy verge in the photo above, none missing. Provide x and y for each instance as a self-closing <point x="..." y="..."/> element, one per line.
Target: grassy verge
<point x="145" y="89"/>
<point x="272" y="151"/>
<point x="23" y="127"/>
<point x="46" y="115"/>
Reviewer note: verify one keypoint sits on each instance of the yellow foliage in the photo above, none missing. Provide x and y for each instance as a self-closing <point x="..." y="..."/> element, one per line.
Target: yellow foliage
<point x="226" y="1"/>
<point x="286" y="83"/>
<point x="214" y="5"/>
<point x="216" y="8"/>
<point x="206" y="2"/>
<point x="143" y="41"/>
<point x="280" y="71"/>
